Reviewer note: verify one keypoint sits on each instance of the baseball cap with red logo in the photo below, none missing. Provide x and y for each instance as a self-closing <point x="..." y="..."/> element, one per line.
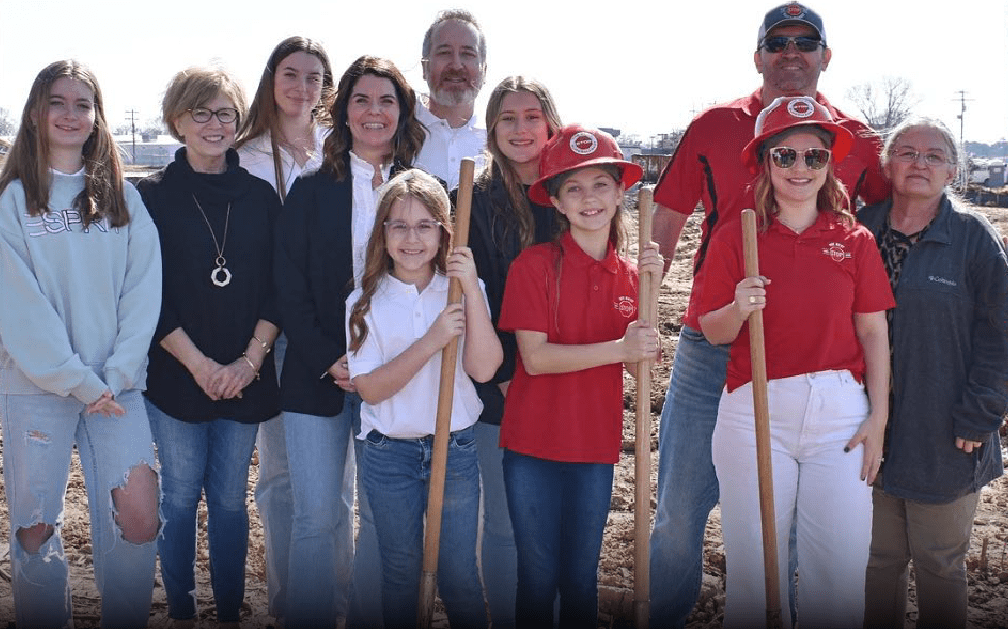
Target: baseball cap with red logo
<point x="790" y="13"/>
<point x="575" y="147"/>
<point x="790" y="112"/>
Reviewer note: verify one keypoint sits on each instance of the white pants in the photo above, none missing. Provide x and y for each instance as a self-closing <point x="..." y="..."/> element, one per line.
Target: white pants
<point x="816" y="483"/>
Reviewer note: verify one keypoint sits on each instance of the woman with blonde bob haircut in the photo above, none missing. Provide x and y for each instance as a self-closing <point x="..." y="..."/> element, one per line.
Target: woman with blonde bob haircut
<point x="520" y="117"/>
<point x="210" y="383"/>
<point x="823" y="293"/>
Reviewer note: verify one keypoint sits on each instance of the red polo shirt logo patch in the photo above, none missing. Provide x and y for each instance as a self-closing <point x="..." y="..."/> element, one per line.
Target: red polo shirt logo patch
<point x="836" y="251"/>
<point x="625" y="306"/>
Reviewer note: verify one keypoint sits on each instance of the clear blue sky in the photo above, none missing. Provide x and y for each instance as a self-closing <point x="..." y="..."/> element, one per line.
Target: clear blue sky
<point x="638" y="65"/>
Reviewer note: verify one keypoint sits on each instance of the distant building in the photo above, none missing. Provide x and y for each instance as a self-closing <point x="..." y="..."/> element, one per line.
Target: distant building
<point x="155" y="151"/>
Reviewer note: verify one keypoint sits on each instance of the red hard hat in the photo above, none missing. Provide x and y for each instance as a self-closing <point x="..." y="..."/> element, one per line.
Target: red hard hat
<point x="576" y="147"/>
<point x="788" y="112"/>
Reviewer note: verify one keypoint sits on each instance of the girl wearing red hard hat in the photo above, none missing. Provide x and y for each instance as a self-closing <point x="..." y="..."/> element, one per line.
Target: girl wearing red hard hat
<point x="572" y="305"/>
<point x="824" y="293"/>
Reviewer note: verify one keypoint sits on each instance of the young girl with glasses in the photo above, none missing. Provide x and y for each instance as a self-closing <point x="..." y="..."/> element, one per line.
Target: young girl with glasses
<point x="823" y="292"/>
<point x="80" y="268"/>
<point x="397" y="326"/>
<point x="572" y="305"/>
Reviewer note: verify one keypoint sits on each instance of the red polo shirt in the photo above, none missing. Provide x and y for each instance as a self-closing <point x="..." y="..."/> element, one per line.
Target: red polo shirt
<point x="707" y="166"/>
<point x="573" y="299"/>
<point x="818" y="280"/>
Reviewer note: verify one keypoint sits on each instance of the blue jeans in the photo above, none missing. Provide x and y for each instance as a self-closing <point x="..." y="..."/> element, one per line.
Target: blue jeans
<point x="559" y="512"/>
<point x="321" y="545"/>
<point x="396" y="476"/>
<point x="365" y="593"/>
<point x="687" y="484"/>
<point x="500" y="558"/>
<point x="214" y="457"/>
<point x="39" y="432"/>
<point x="273" y="498"/>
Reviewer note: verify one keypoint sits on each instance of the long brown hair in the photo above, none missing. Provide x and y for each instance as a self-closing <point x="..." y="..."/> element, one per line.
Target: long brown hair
<point x="28" y="162"/>
<point x="263" y="117"/>
<point x="832" y="195"/>
<point x="519" y="213"/>
<point x="378" y="263"/>
<point x="409" y="133"/>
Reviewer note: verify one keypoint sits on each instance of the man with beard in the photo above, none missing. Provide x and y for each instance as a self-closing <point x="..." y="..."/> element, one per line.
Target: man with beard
<point x="791" y="52"/>
<point x="454" y="64"/>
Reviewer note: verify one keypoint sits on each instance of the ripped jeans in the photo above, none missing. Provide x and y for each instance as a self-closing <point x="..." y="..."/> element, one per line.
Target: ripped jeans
<point x="39" y="432"/>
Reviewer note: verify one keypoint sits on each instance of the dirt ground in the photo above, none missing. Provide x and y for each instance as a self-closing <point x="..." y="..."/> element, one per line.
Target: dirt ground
<point x="987" y="562"/>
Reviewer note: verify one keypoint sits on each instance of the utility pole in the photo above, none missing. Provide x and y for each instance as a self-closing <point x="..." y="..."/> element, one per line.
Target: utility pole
<point x="132" y="113"/>
<point x="963" y="163"/>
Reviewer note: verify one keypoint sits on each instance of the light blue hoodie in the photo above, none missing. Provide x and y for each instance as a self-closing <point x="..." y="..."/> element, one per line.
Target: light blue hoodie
<point x="78" y="307"/>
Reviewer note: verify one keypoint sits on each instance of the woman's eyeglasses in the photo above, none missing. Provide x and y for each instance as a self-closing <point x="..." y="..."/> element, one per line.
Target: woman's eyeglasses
<point x="226" y="115"/>
<point x="784" y="157"/>
<point x="910" y="156"/>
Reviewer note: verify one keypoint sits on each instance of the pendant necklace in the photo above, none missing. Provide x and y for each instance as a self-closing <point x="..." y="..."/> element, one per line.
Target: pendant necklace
<point x="220" y="276"/>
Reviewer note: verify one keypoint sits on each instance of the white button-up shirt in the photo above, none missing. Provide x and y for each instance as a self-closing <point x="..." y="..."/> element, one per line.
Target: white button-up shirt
<point x="445" y="147"/>
<point x="365" y="208"/>
<point x="256" y="156"/>
<point x="398" y="317"/>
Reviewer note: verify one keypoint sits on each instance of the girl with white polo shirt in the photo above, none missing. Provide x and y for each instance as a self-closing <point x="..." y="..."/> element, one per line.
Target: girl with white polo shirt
<point x="397" y="325"/>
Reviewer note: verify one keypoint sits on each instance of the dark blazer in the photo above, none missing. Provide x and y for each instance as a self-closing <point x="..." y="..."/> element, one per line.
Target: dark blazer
<point x="495" y="244"/>
<point x="313" y="271"/>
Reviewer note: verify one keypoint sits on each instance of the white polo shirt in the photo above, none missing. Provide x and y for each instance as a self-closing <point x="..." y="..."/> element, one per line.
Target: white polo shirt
<point x="398" y="317"/>
<point x="445" y="147"/>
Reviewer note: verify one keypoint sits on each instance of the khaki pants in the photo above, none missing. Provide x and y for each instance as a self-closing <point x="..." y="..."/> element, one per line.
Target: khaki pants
<point x="937" y="538"/>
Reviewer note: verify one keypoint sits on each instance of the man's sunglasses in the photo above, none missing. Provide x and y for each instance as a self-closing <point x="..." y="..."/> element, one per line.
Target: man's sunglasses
<point x="802" y="43"/>
<point x="784" y="157"/>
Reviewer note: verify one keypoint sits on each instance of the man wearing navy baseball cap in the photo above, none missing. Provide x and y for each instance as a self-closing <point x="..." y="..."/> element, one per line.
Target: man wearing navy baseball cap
<point x="791" y="53"/>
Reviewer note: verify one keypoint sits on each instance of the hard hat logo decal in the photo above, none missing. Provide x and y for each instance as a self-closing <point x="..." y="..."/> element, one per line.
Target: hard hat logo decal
<point x="801" y="107"/>
<point x="583" y="143"/>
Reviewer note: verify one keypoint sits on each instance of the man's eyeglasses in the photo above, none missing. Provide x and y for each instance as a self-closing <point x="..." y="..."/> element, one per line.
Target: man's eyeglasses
<point x="226" y="115"/>
<point x="784" y="157"/>
<point x="802" y="43"/>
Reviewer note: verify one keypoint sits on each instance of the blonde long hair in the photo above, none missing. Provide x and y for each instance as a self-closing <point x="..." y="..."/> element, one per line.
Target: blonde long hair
<point x="519" y="215"/>
<point x="378" y="263"/>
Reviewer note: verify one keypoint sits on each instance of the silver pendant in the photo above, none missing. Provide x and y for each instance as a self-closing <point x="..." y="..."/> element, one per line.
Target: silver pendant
<point x="215" y="276"/>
